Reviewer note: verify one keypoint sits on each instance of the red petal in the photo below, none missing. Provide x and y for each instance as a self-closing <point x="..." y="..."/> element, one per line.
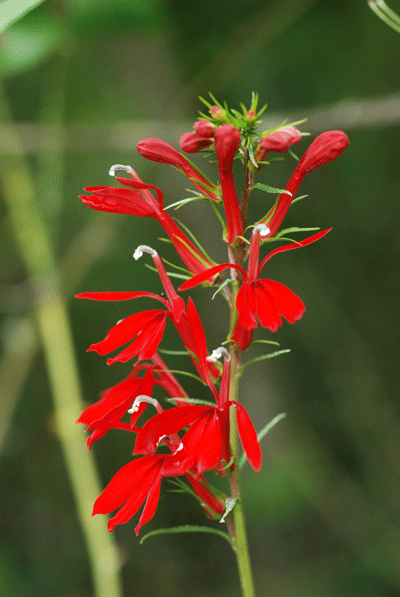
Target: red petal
<point x="297" y="245"/>
<point x="267" y="311"/>
<point x="150" y="505"/>
<point x="246" y="306"/>
<point x="124" y="482"/>
<point x="116" y="200"/>
<point x="170" y="421"/>
<point x="124" y="331"/>
<point x="289" y="305"/>
<point x="203" y="442"/>
<point x="248" y="437"/>
<point x="209" y="273"/>
<point x="119" y="296"/>
<point x="146" y="343"/>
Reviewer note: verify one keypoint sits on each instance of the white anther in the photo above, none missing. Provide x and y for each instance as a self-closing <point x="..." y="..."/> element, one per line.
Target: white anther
<point x="116" y="167"/>
<point x="144" y="249"/>
<point x="179" y="448"/>
<point x="262" y="229"/>
<point x="135" y="406"/>
<point x="217" y="354"/>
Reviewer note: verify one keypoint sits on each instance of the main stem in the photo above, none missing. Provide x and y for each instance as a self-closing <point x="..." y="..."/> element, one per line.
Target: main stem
<point x="240" y="542"/>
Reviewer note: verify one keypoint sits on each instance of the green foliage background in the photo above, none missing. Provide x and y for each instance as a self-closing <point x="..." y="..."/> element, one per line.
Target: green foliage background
<point x="85" y="81"/>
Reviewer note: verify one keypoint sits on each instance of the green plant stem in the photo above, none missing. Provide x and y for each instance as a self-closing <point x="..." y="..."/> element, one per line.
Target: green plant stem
<point x="239" y="540"/>
<point x="54" y="332"/>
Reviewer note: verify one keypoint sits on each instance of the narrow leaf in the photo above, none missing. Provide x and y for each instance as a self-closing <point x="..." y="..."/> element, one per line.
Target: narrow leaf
<point x="268" y="189"/>
<point x="262" y="433"/>
<point x="270" y="355"/>
<point x="14" y="10"/>
<point x="187" y="528"/>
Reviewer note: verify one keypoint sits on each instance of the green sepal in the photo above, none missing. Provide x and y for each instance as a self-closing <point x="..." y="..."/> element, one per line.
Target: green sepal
<point x="262" y="433"/>
<point x="187" y="528"/>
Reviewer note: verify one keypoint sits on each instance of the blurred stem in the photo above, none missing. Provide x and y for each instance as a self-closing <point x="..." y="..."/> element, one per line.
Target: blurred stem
<point x="54" y="332"/>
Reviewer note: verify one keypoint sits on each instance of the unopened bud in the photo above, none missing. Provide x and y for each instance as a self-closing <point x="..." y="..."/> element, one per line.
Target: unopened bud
<point x="325" y="148"/>
<point x="204" y="128"/>
<point x="218" y="113"/>
<point x="278" y="141"/>
<point x="251" y="115"/>
<point x="192" y="142"/>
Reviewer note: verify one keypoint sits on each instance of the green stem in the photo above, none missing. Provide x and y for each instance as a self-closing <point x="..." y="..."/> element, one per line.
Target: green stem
<point x="240" y="543"/>
<point x="54" y="331"/>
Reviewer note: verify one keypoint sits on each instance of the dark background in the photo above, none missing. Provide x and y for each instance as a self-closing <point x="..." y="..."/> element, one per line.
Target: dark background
<point x="85" y="81"/>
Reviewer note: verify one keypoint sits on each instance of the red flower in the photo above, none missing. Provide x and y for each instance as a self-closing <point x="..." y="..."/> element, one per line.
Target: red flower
<point x="105" y="414"/>
<point x="262" y="299"/>
<point x="207" y="440"/>
<point x="161" y="151"/>
<point x="147" y="326"/>
<point x="325" y="148"/>
<point x="141" y="202"/>
<point x="227" y="141"/>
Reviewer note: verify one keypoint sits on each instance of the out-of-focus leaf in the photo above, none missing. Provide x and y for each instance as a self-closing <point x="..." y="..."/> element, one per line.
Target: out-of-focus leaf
<point x="27" y="43"/>
<point x="94" y="15"/>
<point x="11" y="10"/>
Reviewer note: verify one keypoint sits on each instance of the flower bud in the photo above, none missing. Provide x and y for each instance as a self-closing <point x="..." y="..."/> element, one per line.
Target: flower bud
<point x="325" y="148"/>
<point x="251" y="115"/>
<point x="227" y="142"/>
<point x="278" y="141"/>
<point x="218" y="113"/>
<point x="192" y="142"/>
<point x="204" y="128"/>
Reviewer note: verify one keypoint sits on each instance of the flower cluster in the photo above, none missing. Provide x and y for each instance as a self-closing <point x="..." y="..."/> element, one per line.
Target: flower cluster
<point x="192" y="437"/>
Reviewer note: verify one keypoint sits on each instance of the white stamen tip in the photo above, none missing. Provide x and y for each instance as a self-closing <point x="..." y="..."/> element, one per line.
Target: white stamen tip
<point x="217" y="354"/>
<point x="262" y="229"/>
<point x="116" y="167"/>
<point x="144" y="249"/>
<point x="142" y="398"/>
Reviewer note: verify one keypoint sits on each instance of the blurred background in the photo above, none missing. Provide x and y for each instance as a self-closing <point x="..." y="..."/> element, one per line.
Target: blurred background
<point x="82" y="82"/>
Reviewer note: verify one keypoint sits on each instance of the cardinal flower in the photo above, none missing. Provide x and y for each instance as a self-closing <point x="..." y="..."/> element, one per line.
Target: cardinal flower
<point x="146" y="326"/>
<point x="106" y="413"/>
<point x="207" y="440"/>
<point x="325" y="148"/>
<point x="259" y="299"/>
<point x="141" y="202"/>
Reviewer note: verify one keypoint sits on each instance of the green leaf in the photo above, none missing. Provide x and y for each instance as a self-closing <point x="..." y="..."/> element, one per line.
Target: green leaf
<point x="187" y="528"/>
<point x="12" y="10"/>
<point x="170" y="274"/>
<point x="294" y="229"/>
<point x="268" y="189"/>
<point x="264" y="342"/>
<point x="228" y="281"/>
<point x="298" y="199"/>
<point x="28" y="42"/>
<point x="179" y="204"/>
<point x="262" y="433"/>
<point x="191" y="401"/>
<point x="270" y="355"/>
<point x="174" y="352"/>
